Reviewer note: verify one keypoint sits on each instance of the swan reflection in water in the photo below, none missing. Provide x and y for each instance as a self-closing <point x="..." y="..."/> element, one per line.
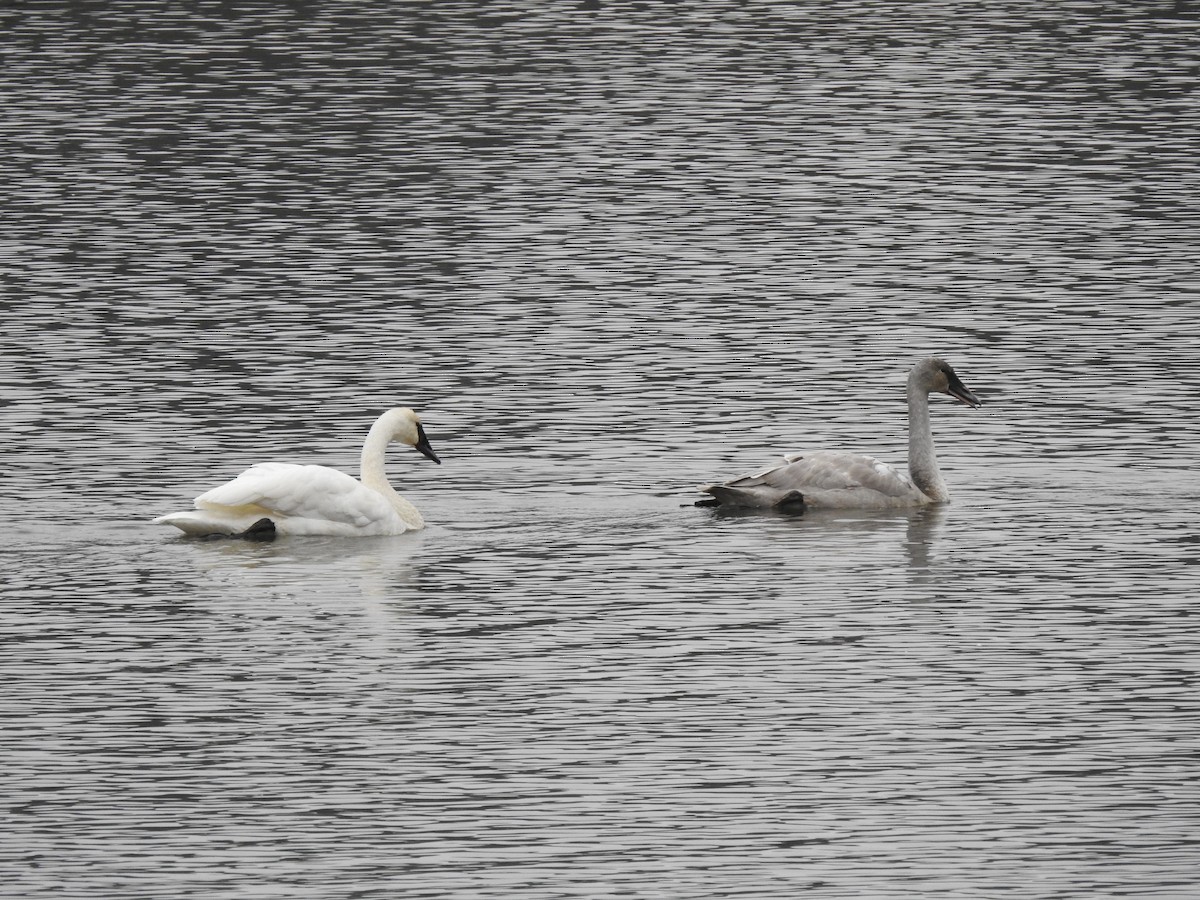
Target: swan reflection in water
<point x="272" y="499"/>
<point x="372" y="580"/>
<point x="830" y="479"/>
<point x="921" y="524"/>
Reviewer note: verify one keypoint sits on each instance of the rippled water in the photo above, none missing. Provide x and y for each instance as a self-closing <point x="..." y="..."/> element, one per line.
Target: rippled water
<point x="610" y="251"/>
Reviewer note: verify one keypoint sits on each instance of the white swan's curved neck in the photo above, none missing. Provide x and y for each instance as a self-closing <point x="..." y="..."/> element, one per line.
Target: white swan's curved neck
<point x="374" y="474"/>
<point x="922" y="461"/>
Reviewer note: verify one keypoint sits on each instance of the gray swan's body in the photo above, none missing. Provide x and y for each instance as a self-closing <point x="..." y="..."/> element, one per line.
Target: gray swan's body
<point x="832" y="479"/>
<point x="272" y="499"/>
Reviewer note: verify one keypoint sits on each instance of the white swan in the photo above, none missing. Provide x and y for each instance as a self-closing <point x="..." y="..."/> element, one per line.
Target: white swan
<point x="281" y="498"/>
<point x="833" y="479"/>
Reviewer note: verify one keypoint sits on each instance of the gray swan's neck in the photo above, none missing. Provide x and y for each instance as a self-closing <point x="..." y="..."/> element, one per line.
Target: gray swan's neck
<point x="374" y="475"/>
<point x="922" y="460"/>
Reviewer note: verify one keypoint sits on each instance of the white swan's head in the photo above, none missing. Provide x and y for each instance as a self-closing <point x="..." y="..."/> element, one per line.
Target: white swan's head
<point x="935" y="375"/>
<point x="404" y="426"/>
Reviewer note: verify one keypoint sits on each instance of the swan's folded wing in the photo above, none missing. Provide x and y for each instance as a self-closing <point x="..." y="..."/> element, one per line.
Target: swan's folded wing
<point x="305" y="492"/>
<point x="822" y="478"/>
<point x="831" y="470"/>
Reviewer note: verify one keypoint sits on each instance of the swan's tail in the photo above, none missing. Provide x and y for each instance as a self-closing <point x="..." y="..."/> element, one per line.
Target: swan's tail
<point x="207" y="523"/>
<point x="755" y="496"/>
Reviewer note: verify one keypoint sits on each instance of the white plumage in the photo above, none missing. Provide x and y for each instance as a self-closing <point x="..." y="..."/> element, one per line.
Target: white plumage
<point x="833" y="479"/>
<point x="283" y="498"/>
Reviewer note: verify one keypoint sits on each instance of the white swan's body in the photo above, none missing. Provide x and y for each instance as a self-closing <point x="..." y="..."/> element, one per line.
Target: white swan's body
<point x="282" y="498"/>
<point x="829" y="479"/>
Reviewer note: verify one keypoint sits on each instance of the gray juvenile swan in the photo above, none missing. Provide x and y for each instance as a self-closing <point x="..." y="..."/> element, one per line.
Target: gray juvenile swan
<point x="832" y="479"/>
<point x="282" y="498"/>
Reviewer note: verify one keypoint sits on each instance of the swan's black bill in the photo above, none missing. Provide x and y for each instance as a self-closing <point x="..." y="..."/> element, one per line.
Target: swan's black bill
<point x="422" y="445"/>
<point x="959" y="392"/>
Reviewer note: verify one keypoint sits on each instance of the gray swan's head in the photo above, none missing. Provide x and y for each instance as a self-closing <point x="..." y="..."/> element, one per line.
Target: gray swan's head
<point x="935" y="375"/>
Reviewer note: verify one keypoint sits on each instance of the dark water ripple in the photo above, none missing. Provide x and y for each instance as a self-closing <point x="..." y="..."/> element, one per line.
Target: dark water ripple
<point x="610" y="252"/>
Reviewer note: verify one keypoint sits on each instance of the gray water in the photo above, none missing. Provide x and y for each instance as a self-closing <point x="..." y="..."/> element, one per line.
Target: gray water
<point x="609" y="251"/>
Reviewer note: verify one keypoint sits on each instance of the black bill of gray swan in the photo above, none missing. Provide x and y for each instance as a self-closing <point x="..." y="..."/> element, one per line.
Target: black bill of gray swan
<point x="272" y="499"/>
<point x="832" y="479"/>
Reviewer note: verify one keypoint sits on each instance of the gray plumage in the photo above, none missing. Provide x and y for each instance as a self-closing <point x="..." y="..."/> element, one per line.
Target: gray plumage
<point x="834" y="479"/>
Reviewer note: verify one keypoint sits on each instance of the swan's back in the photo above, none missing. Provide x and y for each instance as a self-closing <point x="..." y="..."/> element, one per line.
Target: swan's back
<point x="822" y="479"/>
<point x="313" y="493"/>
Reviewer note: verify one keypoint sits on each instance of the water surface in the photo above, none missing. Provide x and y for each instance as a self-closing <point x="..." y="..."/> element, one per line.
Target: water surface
<point x="609" y="252"/>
